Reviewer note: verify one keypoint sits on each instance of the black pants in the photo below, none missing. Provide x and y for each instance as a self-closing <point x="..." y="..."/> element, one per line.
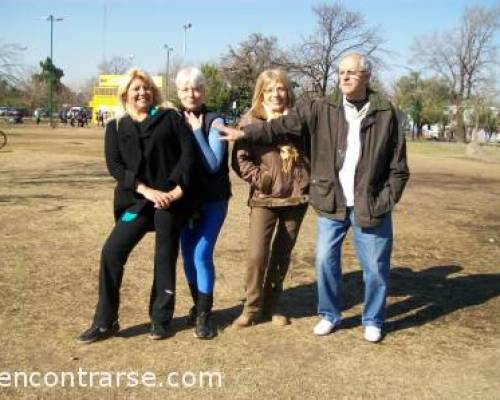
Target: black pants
<point x="121" y="241"/>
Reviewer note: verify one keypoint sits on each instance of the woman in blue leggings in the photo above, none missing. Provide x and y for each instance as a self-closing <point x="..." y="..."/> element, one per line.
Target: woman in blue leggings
<point x="198" y="238"/>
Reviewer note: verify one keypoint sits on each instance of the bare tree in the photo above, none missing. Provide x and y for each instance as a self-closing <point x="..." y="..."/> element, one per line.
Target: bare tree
<point x="241" y="66"/>
<point x="462" y="56"/>
<point x="35" y="90"/>
<point x="86" y="90"/>
<point x="338" y="32"/>
<point x="116" y="65"/>
<point x="10" y="63"/>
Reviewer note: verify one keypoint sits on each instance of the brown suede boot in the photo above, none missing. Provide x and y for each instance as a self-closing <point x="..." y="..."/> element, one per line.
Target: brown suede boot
<point x="280" y="320"/>
<point x="244" y="320"/>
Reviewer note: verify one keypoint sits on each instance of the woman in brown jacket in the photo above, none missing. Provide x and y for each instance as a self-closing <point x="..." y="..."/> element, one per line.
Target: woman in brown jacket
<point x="279" y="185"/>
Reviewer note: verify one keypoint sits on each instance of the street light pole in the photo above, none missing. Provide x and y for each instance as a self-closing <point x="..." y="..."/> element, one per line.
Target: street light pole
<point x="186" y="27"/>
<point x="167" y="71"/>
<point x="51" y="18"/>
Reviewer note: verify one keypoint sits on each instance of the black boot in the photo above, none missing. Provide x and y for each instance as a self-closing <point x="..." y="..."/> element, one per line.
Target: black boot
<point x="191" y="318"/>
<point x="204" y="327"/>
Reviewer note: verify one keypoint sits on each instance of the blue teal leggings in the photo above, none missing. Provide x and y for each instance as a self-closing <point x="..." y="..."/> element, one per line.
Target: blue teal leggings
<point x="198" y="240"/>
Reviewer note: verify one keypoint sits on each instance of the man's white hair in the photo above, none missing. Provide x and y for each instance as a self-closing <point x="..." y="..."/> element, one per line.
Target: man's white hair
<point x="364" y="63"/>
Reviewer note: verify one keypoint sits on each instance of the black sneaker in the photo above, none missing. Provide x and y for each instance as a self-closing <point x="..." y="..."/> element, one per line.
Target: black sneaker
<point x="191" y="318"/>
<point x="204" y="328"/>
<point x="159" y="331"/>
<point x="95" y="333"/>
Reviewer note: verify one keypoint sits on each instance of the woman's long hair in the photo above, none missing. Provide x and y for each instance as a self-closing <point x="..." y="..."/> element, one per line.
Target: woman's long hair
<point x="266" y="78"/>
<point x="288" y="153"/>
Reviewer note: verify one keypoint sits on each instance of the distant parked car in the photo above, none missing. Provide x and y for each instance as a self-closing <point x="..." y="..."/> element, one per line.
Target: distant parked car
<point x="3" y="111"/>
<point x="19" y="110"/>
<point x="15" y="116"/>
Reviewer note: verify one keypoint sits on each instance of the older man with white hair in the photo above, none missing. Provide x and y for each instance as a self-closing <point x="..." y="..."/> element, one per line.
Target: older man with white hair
<point x="358" y="173"/>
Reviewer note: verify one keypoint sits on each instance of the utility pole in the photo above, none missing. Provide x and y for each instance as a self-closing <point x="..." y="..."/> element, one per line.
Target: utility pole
<point x="186" y="27"/>
<point x="167" y="71"/>
<point x="51" y="18"/>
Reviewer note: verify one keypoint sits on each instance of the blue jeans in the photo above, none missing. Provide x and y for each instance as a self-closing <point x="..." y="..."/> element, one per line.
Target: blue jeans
<point x="373" y="250"/>
<point x="198" y="240"/>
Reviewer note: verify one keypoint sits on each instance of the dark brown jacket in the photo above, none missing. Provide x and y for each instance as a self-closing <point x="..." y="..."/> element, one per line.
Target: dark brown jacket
<point x="262" y="166"/>
<point x="381" y="172"/>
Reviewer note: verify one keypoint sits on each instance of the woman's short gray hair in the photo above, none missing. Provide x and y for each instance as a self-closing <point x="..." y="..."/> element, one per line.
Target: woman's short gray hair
<point x="190" y="76"/>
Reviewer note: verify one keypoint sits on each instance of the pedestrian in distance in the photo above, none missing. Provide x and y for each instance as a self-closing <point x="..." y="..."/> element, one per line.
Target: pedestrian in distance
<point x="100" y="118"/>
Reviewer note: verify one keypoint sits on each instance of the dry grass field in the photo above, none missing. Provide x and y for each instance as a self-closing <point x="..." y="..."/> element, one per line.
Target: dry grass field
<point x="443" y="326"/>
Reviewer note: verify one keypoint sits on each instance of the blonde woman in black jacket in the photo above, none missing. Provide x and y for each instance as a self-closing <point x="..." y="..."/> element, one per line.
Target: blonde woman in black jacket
<point x="150" y="153"/>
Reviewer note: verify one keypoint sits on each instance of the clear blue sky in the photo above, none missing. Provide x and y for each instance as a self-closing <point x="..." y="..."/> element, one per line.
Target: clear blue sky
<point x="141" y="28"/>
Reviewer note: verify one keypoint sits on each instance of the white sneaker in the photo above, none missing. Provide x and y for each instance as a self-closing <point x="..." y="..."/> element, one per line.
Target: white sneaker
<point x="373" y="334"/>
<point x="324" y="327"/>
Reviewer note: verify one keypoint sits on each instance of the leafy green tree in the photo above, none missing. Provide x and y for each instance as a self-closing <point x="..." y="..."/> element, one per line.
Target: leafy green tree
<point x="409" y="98"/>
<point x="51" y="75"/>
<point x="486" y="118"/>
<point x="50" y="71"/>
<point x="436" y="101"/>
<point x="425" y="101"/>
<point x="217" y="91"/>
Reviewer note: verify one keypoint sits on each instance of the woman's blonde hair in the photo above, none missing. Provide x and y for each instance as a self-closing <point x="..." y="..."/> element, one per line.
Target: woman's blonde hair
<point x="267" y="77"/>
<point x="125" y="85"/>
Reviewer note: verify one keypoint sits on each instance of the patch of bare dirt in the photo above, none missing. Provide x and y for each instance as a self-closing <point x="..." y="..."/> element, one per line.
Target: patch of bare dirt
<point x="443" y="330"/>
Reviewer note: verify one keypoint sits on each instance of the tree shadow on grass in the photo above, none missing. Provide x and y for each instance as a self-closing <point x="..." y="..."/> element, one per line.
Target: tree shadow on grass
<point x="431" y="293"/>
<point x="176" y="325"/>
<point x="135" y="330"/>
<point x="226" y="316"/>
<point x="302" y="301"/>
<point x="221" y="317"/>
